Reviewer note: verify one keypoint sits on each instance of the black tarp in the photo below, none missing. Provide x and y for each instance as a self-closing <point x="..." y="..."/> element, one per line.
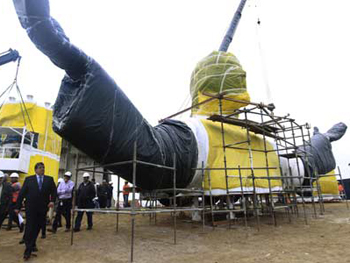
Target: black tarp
<point x="317" y="155"/>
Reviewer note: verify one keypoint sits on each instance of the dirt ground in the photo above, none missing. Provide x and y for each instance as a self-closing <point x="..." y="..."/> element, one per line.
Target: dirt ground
<point x="325" y="239"/>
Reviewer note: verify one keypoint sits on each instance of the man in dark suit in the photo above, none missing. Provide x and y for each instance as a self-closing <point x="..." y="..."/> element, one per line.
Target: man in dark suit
<point x="5" y="198"/>
<point x="39" y="191"/>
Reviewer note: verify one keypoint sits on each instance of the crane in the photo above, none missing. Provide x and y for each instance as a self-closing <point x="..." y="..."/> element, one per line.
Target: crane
<point x="8" y="56"/>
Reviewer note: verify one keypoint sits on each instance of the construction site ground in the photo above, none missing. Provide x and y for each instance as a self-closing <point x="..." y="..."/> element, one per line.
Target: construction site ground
<point x="325" y="239"/>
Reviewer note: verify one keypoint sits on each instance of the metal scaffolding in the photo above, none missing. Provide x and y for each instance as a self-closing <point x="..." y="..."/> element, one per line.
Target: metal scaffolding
<point x="290" y="140"/>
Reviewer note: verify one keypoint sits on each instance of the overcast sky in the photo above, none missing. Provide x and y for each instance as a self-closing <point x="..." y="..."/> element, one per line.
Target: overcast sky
<point x="299" y="53"/>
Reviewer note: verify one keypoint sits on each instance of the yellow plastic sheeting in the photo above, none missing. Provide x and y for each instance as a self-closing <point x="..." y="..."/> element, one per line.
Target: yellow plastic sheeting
<point x="41" y="119"/>
<point x="51" y="167"/>
<point x="220" y="72"/>
<point x="49" y="143"/>
<point x="238" y="157"/>
<point x="328" y="184"/>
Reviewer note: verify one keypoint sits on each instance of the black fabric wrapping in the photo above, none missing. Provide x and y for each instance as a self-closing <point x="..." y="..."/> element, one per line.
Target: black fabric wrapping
<point x="318" y="156"/>
<point x="95" y="115"/>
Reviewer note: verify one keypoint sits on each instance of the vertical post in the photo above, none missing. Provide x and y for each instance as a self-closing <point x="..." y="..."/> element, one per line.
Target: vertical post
<point x="298" y="167"/>
<point x="174" y="193"/>
<point x="244" y="203"/>
<point x="342" y="183"/>
<point x="255" y="205"/>
<point x="133" y="202"/>
<point x="203" y="198"/>
<point x="211" y="201"/>
<point x="309" y="173"/>
<point x="74" y="204"/>
<point x="270" y="197"/>
<point x="225" y="164"/>
<point x="117" y="207"/>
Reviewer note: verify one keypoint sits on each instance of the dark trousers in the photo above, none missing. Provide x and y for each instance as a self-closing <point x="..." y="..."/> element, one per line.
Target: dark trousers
<point x="63" y="208"/>
<point x="103" y="201"/>
<point x="126" y="200"/>
<point x="3" y="215"/>
<point x="35" y="221"/>
<point x="80" y="217"/>
<point x="13" y="216"/>
<point x="109" y="202"/>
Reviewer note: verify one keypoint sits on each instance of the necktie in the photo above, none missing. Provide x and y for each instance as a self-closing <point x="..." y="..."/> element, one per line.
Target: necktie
<point x="40" y="182"/>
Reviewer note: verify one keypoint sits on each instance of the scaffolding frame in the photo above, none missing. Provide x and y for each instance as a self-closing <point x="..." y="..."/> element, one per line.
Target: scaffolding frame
<point x="288" y="136"/>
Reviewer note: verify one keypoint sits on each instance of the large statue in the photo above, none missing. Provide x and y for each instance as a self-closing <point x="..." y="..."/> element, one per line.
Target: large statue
<point x="95" y="115"/>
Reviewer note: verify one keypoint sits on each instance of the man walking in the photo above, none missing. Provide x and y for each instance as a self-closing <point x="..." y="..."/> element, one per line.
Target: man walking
<point x="5" y="198"/>
<point x="86" y="194"/>
<point x="39" y="191"/>
<point x="65" y="194"/>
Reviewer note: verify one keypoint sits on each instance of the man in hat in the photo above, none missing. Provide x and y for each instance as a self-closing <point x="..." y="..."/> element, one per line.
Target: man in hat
<point x="39" y="191"/>
<point x="5" y="198"/>
<point x="102" y="194"/>
<point x="65" y="194"/>
<point x="85" y="195"/>
<point x="16" y="187"/>
<point x="110" y="194"/>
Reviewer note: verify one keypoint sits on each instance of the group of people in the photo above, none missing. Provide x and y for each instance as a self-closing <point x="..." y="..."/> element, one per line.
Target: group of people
<point x="38" y="194"/>
<point x="104" y="194"/>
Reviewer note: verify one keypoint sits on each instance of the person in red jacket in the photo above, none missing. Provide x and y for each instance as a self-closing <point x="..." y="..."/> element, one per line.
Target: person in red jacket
<point x="126" y="191"/>
<point x="16" y="187"/>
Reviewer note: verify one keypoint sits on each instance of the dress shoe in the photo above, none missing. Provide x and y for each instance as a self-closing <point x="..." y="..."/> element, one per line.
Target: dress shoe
<point x="21" y="242"/>
<point x="26" y="257"/>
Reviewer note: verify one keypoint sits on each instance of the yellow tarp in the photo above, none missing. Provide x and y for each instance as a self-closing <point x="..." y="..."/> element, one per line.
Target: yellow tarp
<point x="238" y="157"/>
<point x="328" y="184"/>
<point x="49" y="143"/>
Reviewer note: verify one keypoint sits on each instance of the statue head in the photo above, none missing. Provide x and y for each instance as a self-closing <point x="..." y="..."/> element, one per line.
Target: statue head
<point x="218" y="73"/>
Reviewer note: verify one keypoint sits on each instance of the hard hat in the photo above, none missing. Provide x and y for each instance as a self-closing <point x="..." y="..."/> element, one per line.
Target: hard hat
<point x="1" y="174"/>
<point x="14" y="175"/>
<point x="110" y="182"/>
<point x="60" y="180"/>
<point x="68" y="173"/>
<point x="86" y="174"/>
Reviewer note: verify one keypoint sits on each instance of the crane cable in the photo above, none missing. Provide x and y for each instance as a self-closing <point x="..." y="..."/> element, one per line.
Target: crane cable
<point x="262" y="55"/>
<point x="24" y="110"/>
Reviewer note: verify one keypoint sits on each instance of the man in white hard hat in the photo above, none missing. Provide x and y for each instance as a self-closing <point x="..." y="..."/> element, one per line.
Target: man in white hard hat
<point x="16" y="187"/>
<point x="85" y="195"/>
<point x="5" y="198"/>
<point x="65" y="195"/>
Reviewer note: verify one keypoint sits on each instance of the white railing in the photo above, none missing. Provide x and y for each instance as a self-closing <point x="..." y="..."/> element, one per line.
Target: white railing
<point x="10" y="152"/>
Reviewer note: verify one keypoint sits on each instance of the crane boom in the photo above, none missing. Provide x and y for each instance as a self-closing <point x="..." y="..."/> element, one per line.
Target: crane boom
<point x="8" y="56"/>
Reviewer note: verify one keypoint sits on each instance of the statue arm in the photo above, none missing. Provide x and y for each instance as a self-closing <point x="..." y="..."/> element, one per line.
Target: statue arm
<point x="48" y="36"/>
